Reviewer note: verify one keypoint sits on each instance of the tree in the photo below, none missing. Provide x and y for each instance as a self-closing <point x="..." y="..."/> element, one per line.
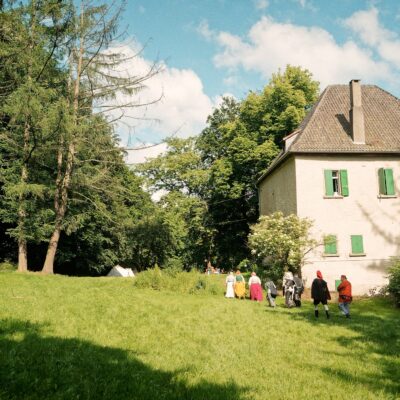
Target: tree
<point x="238" y="145"/>
<point x="181" y="174"/>
<point x="94" y="80"/>
<point x="279" y="243"/>
<point x="30" y="35"/>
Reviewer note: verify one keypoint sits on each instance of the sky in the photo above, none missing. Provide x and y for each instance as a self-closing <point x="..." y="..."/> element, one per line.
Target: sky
<point x="211" y="48"/>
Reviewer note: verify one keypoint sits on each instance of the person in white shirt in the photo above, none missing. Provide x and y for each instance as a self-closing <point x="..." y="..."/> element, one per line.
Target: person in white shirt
<point x="230" y="282"/>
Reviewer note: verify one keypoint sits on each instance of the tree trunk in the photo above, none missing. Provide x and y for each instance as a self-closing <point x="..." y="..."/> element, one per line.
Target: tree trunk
<point x="22" y="256"/>
<point x="48" y="267"/>
<point x="60" y="203"/>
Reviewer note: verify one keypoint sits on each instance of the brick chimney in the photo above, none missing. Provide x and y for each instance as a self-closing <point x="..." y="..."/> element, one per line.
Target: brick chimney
<point x="356" y="113"/>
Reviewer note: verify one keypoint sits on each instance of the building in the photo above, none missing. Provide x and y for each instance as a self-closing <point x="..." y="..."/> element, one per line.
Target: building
<point x="341" y="168"/>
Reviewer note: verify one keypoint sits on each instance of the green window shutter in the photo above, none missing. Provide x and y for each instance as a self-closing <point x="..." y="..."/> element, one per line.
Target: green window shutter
<point x="330" y="244"/>
<point x="389" y="182"/>
<point x="328" y="182"/>
<point x="357" y="246"/>
<point x="344" y="182"/>
<point x="382" y="184"/>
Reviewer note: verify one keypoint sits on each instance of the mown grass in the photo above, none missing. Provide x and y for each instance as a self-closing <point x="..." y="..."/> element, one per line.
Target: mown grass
<point x="101" y="338"/>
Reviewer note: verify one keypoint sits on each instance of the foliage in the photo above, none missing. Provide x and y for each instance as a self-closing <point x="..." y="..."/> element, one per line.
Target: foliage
<point x="63" y="181"/>
<point x="192" y="282"/>
<point x="280" y="243"/>
<point x="7" y="266"/>
<point x="149" y="344"/>
<point x="394" y="281"/>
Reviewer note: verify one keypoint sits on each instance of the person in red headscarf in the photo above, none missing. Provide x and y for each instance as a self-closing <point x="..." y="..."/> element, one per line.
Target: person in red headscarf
<point x="320" y="294"/>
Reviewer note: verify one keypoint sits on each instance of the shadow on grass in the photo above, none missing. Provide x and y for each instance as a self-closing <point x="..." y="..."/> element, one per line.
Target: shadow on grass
<point x="377" y="333"/>
<point x="36" y="367"/>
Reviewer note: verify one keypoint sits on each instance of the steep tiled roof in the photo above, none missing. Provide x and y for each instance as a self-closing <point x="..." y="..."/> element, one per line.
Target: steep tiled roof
<point x="326" y="129"/>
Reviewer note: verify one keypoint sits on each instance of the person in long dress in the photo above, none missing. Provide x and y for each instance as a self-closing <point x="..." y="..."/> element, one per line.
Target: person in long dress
<point x="255" y="287"/>
<point x="240" y="285"/>
<point x="230" y="283"/>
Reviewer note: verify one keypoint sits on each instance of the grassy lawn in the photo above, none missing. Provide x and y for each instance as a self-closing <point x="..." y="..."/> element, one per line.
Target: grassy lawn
<point x="100" y="338"/>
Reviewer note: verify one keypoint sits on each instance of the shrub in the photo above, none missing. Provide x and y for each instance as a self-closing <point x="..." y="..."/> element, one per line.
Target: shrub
<point x="394" y="281"/>
<point x="192" y="282"/>
<point x="173" y="266"/>
<point x="280" y="242"/>
<point x="7" y="266"/>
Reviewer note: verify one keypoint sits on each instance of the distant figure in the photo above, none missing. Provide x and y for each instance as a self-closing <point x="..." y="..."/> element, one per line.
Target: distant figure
<point x="255" y="287"/>
<point x="345" y="297"/>
<point x="240" y="285"/>
<point x="271" y="292"/>
<point x="320" y="294"/>
<point x="288" y="289"/>
<point x="230" y="283"/>
<point x="298" y="289"/>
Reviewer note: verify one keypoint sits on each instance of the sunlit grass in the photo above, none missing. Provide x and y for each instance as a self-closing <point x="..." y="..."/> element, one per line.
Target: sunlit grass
<point x="100" y="338"/>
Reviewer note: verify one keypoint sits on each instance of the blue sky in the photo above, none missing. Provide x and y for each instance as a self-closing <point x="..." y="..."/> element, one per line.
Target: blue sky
<point x="210" y="48"/>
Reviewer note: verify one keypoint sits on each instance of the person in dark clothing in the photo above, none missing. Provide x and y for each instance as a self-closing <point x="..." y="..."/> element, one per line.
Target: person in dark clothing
<point x="298" y="289"/>
<point x="320" y="294"/>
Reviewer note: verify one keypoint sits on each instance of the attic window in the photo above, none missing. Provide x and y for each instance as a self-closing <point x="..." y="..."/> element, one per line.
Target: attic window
<point x="336" y="183"/>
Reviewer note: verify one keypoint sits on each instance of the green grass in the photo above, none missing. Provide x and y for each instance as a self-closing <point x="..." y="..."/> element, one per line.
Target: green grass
<point x="101" y="338"/>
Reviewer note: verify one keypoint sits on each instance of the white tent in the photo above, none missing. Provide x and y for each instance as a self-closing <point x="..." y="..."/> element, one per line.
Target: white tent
<point x="121" y="272"/>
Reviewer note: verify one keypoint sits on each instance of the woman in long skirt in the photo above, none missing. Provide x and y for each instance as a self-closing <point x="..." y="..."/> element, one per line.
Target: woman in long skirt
<point x="255" y="287"/>
<point x="240" y="285"/>
<point x="230" y="282"/>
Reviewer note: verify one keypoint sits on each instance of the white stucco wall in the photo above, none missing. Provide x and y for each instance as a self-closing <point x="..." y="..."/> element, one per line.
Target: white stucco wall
<point x="361" y="213"/>
<point x="277" y="192"/>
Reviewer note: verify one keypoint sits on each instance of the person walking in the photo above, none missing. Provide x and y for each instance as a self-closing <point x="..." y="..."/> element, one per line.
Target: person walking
<point x="320" y="294"/>
<point x="298" y="289"/>
<point x="230" y="282"/>
<point x="345" y="297"/>
<point x="271" y="292"/>
<point x="255" y="287"/>
<point x="240" y="285"/>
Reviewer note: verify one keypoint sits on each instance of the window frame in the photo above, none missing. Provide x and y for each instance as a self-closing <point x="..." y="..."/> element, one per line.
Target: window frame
<point x="385" y="190"/>
<point x="328" y="253"/>
<point x="353" y="244"/>
<point x="342" y="183"/>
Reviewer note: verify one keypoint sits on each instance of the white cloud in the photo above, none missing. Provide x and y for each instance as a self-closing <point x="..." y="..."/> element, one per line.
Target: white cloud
<point x="204" y="30"/>
<point x="261" y="4"/>
<point x="181" y="111"/>
<point x="144" y="152"/>
<point x="271" y="45"/>
<point x="372" y="33"/>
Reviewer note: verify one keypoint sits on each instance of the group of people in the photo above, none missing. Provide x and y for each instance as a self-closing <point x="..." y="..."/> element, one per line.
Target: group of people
<point x="236" y="286"/>
<point x="292" y="290"/>
<point x="320" y="294"/>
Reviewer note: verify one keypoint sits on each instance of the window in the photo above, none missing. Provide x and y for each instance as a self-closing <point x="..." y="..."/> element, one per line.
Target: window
<point x="386" y="182"/>
<point x="330" y="244"/>
<point x="357" y="245"/>
<point x="336" y="183"/>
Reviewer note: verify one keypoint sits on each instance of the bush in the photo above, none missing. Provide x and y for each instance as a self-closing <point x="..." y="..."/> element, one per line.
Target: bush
<point x="394" y="281"/>
<point x="192" y="282"/>
<point x="173" y="266"/>
<point x="7" y="266"/>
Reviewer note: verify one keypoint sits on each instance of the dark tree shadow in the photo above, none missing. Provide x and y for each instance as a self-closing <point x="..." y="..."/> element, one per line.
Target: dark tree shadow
<point x="378" y="332"/>
<point x="33" y="366"/>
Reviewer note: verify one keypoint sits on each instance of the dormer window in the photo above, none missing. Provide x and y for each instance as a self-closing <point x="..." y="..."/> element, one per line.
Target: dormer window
<point x="336" y="183"/>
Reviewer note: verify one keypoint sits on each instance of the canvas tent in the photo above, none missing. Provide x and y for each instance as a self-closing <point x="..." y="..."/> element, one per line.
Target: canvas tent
<point x="121" y="272"/>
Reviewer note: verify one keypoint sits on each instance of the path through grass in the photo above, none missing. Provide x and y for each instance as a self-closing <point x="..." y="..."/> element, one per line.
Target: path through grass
<point x="98" y="338"/>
